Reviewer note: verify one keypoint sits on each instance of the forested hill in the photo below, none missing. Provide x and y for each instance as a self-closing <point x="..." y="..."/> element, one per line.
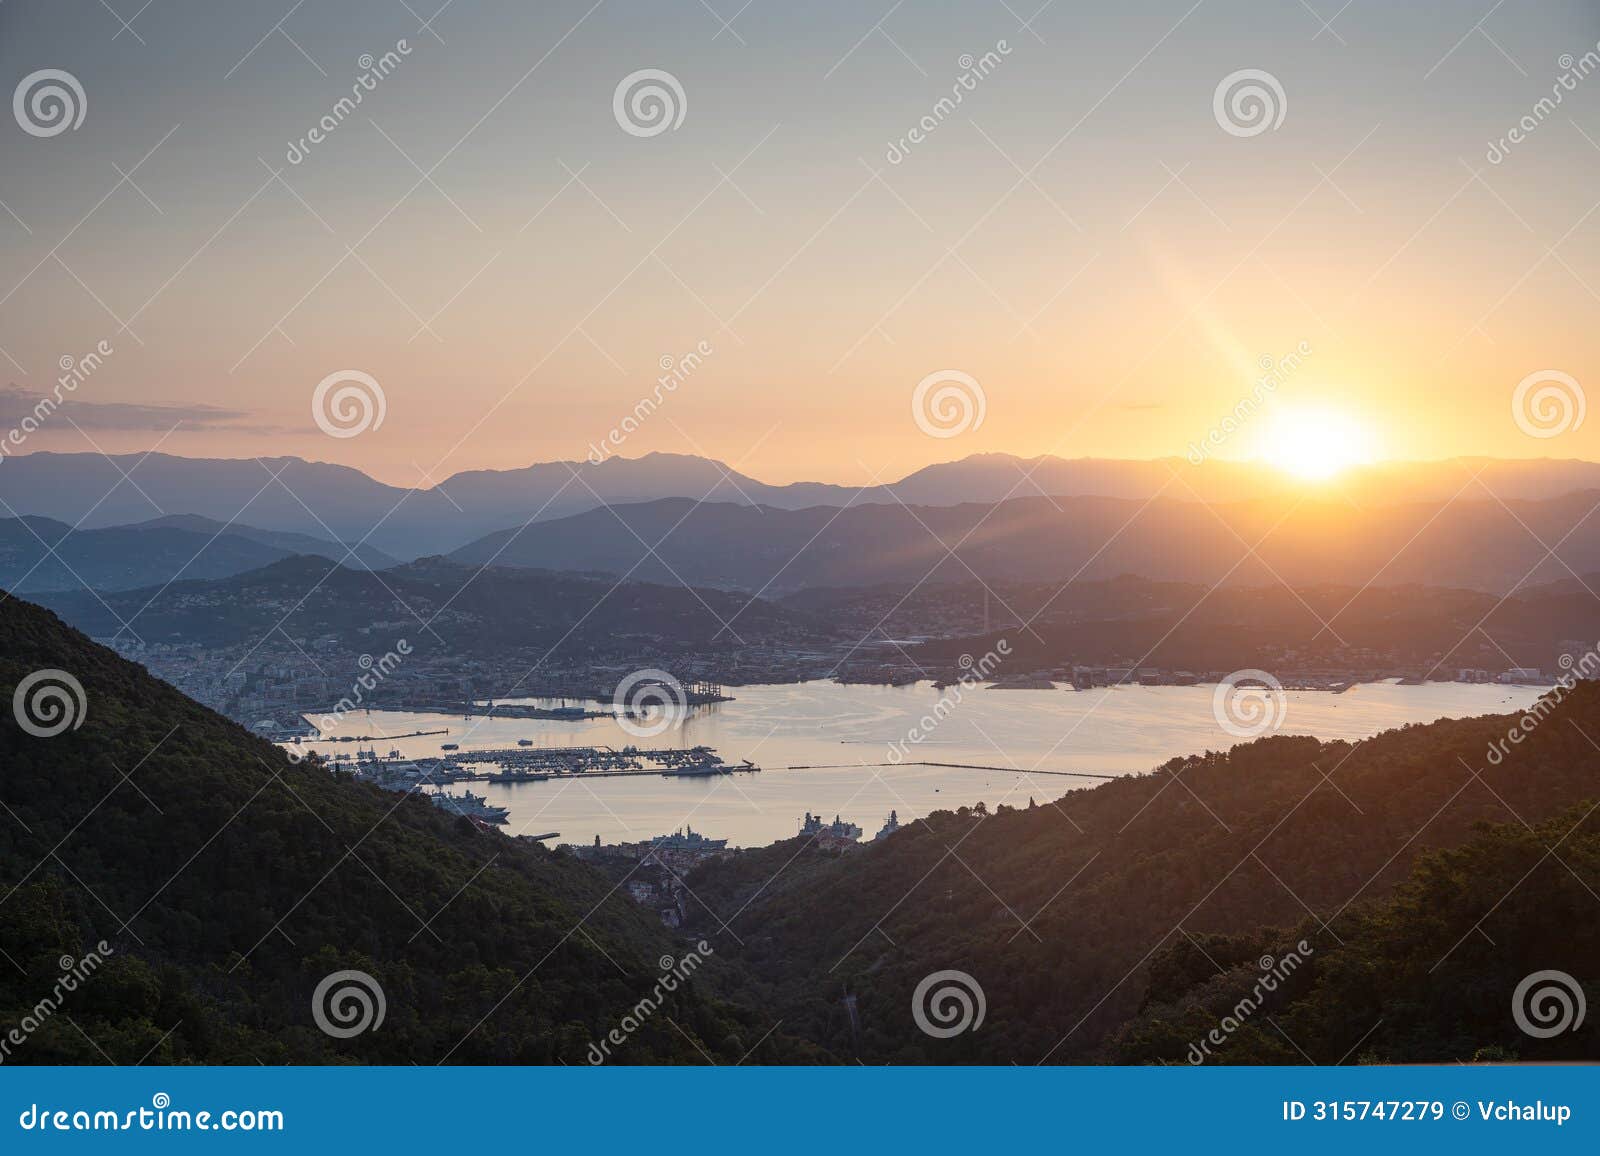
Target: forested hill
<point x="229" y="882"/>
<point x="1078" y="916"/>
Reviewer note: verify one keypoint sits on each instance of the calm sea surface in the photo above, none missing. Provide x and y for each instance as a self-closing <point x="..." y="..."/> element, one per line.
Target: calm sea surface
<point x="840" y="736"/>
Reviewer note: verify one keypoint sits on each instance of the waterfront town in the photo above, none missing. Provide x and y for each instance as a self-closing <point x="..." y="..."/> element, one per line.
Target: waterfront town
<point x="270" y="686"/>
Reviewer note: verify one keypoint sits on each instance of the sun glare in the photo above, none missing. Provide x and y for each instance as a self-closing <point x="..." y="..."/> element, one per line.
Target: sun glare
<point x="1316" y="444"/>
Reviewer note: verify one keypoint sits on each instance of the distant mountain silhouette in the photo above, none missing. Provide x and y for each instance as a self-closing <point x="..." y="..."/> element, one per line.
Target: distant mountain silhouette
<point x="1483" y="545"/>
<point x="465" y="610"/>
<point x="328" y="501"/>
<point x="41" y="555"/>
<point x="346" y="554"/>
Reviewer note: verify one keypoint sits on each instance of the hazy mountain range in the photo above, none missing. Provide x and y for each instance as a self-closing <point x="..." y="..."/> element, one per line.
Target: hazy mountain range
<point x="333" y="502"/>
<point x="38" y="555"/>
<point x="1483" y="545"/>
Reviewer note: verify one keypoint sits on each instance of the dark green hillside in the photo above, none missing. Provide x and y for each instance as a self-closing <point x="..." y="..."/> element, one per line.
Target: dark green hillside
<point x="229" y="882"/>
<point x="1280" y="833"/>
<point x="1430" y="974"/>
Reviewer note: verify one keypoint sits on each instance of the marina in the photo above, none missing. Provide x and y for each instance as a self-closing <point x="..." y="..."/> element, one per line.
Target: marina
<point x="828" y="748"/>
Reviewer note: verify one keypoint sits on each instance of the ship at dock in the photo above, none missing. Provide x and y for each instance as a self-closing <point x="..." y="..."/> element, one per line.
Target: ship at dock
<point x="470" y="805"/>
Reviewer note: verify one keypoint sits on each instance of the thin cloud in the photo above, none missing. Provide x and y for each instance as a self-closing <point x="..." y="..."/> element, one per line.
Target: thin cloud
<point x="17" y="403"/>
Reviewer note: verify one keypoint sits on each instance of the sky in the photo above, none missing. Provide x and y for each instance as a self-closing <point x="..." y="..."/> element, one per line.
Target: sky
<point x="1094" y="252"/>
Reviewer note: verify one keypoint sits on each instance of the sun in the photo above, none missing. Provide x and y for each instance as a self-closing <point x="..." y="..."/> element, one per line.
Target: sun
<point x="1316" y="444"/>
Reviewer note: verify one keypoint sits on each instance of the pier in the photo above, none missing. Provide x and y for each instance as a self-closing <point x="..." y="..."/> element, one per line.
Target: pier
<point x="536" y="764"/>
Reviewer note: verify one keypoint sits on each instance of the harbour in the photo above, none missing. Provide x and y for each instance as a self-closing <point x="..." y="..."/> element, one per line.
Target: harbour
<point x="829" y="748"/>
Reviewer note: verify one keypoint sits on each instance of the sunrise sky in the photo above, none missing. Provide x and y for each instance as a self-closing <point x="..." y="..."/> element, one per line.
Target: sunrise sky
<point x="1080" y="235"/>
